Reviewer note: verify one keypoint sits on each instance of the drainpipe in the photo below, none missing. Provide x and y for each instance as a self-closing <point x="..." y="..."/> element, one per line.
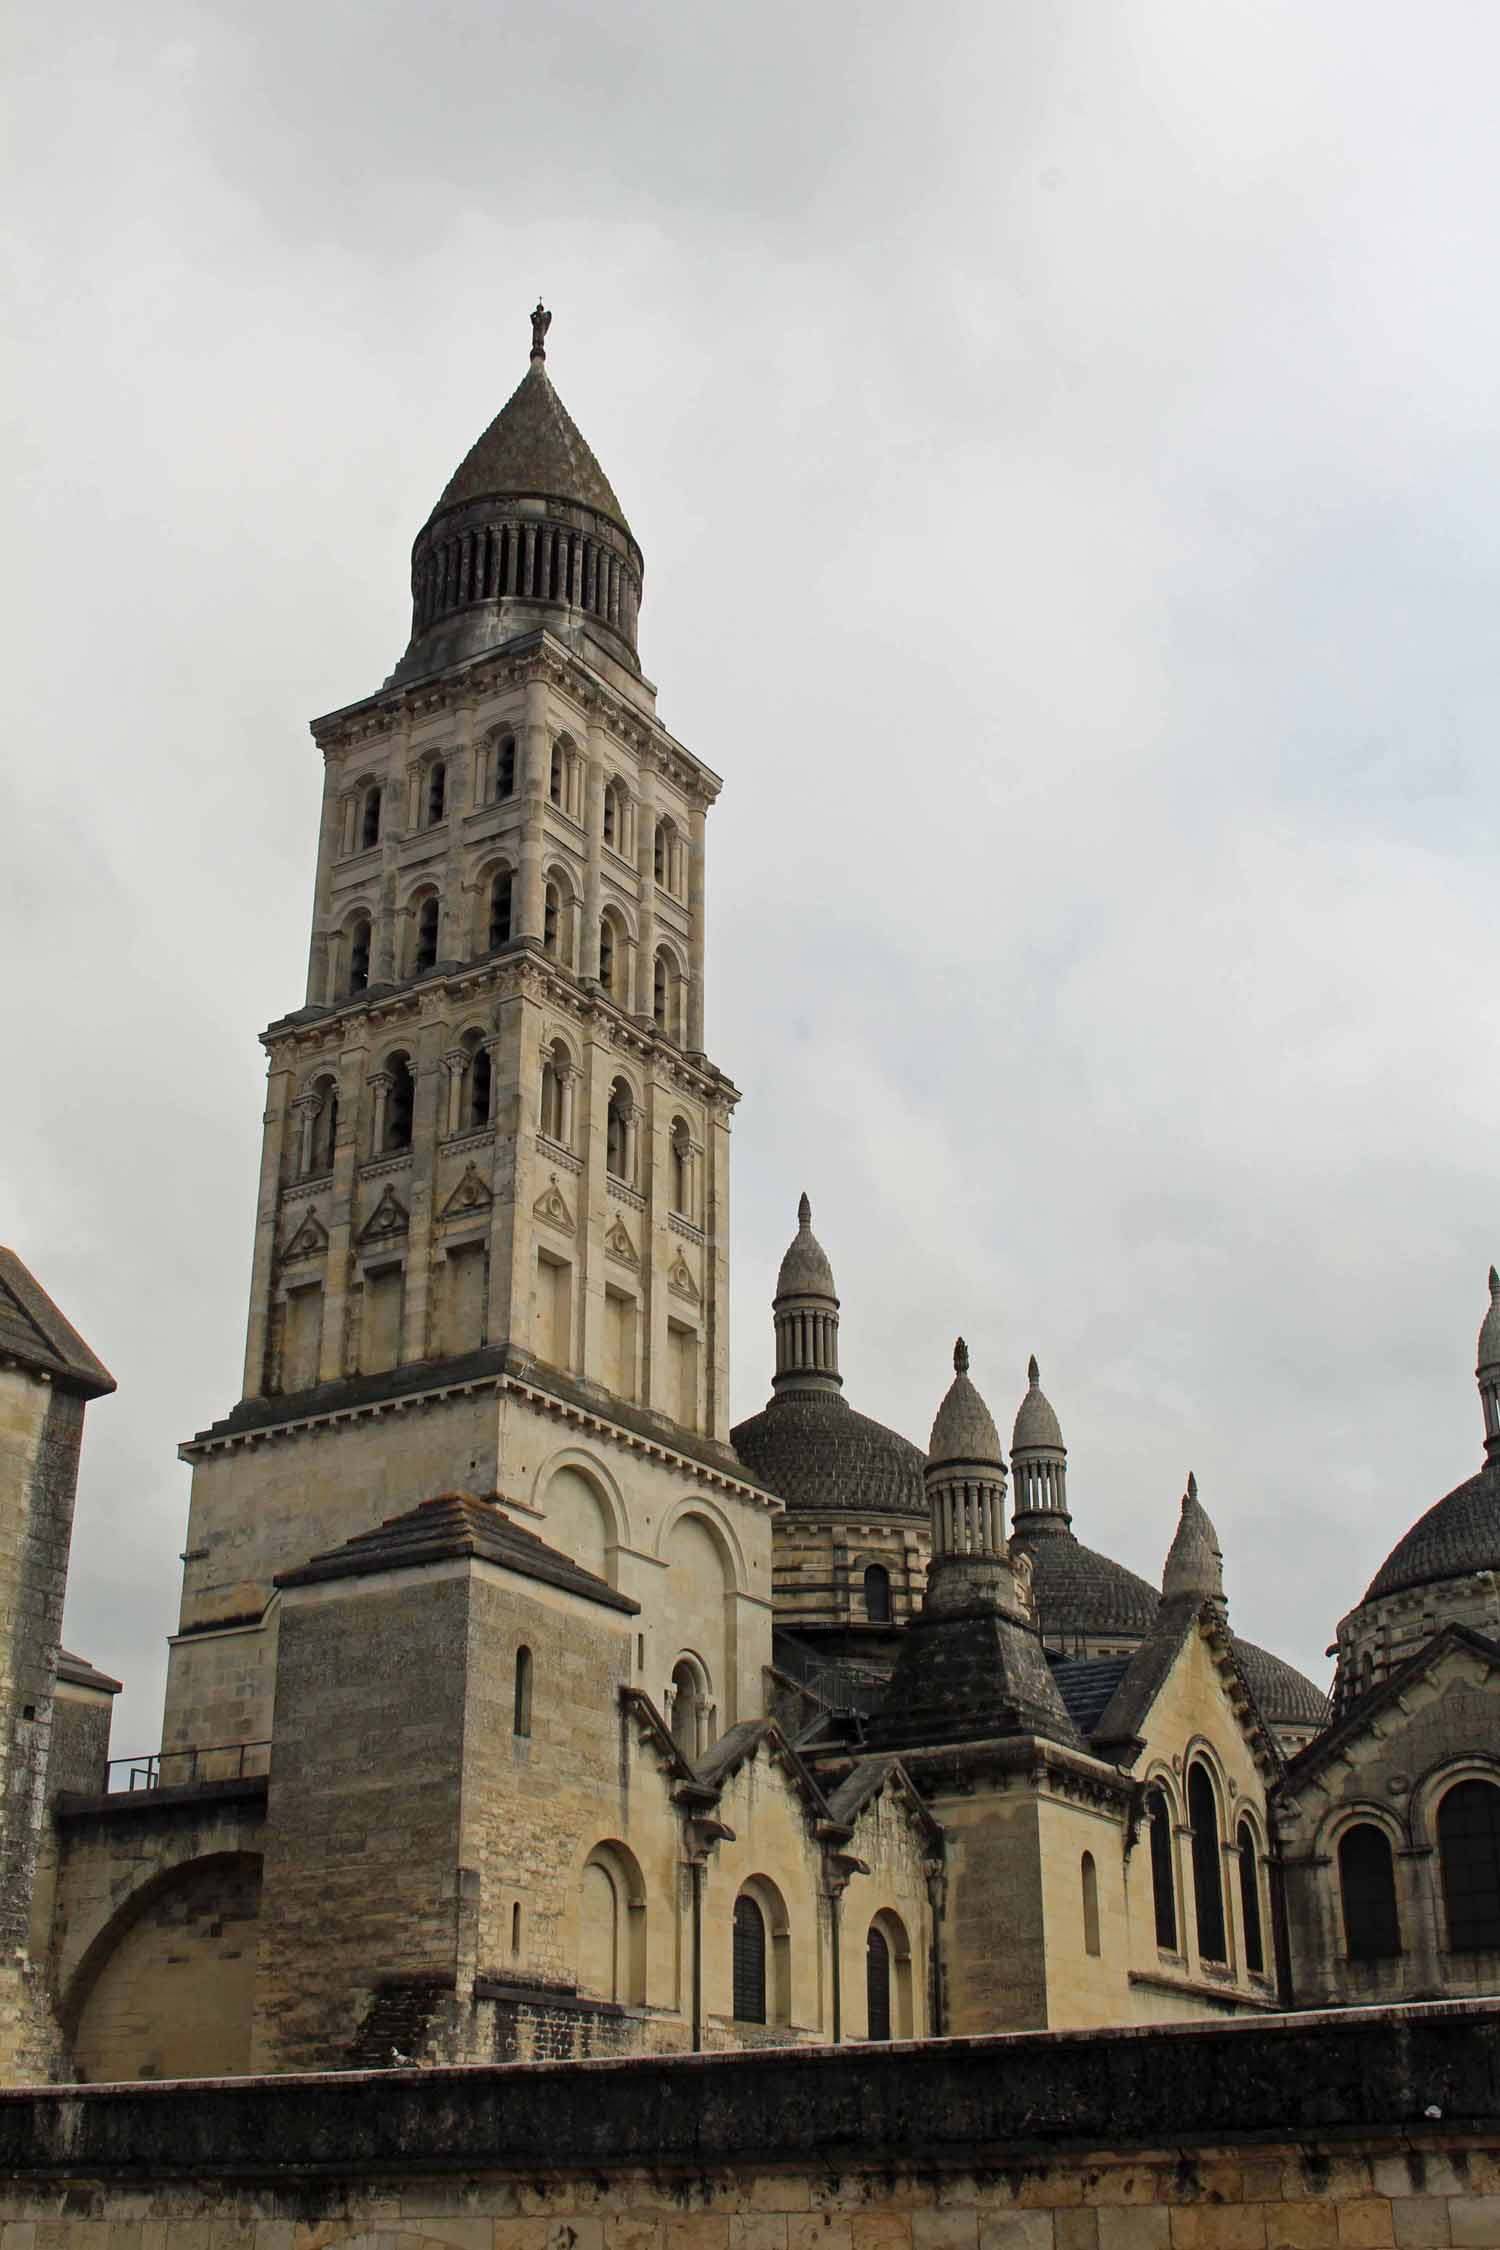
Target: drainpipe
<point x="695" y="1869"/>
<point x="834" y="1903"/>
<point x="934" y="1874"/>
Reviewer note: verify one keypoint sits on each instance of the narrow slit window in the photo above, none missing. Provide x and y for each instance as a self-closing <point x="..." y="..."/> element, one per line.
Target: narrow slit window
<point x="522" y="1724"/>
<point x="437" y="792"/>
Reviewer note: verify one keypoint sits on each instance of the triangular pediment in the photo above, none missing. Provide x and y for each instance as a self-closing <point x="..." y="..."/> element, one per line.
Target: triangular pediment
<point x="552" y="1206"/>
<point x="618" y="1243"/>
<point x="390" y="1216"/>
<point x="680" y="1279"/>
<point x="310" y="1239"/>
<point x="1455" y="1656"/>
<point x="471" y="1194"/>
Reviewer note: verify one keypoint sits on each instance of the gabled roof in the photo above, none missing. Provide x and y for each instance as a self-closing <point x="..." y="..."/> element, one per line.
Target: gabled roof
<point x="450" y="1525"/>
<point x="78" y="1672"/>
<point x="1358" y="1717"/>
<point x="1122" y="1724"/>
<point x="1086" y="1684"/>
<point x="34" y="1332"/>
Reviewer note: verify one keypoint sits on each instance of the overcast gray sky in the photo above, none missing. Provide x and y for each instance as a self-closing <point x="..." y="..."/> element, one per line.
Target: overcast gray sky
<point x="1064" y="446"/>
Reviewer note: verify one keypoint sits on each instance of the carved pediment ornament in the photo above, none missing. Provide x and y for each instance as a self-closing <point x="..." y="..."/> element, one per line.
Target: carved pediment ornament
<point x="550" y="1206"/>
<point x="471" y="1194"/>
<point x="680" y="1278"/>
<point x="388" y="1217"/>
<point x="619" y="1245"/>
<point x="310" y="1239"/>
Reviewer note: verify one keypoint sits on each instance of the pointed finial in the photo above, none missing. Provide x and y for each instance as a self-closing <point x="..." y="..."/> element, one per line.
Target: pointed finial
<point x="960" y="1357"/>
<point x="541" y="321"/>
<point x="804" y="1210"/>
<point x="1494" y="1282"/>
<point x="1192" y="1490"/>
<point x="1033" y="1373"/>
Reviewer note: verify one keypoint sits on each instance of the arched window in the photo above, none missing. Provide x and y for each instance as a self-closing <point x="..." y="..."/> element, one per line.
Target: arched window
<point x="617" y="1130"/>
<point x="437" y="792"/>
<point x="662" y="854"/>
<point x="551" y="908"/>
<point x="1088" y="1876"/>
<point x="607" y="954"/>
<point x="612" y="1926"/>
<point x="522" y="1724"/>
<point x="749" y="1961"/>
<point x="400" y="1096"/>
<point x="689" y="1704"/>
<point x="505" y="766"/>
<point x="682" y="1169"/>
<point x="427" y="936"/>
<point x="877" y="1984"/>
<point x="614" y="815"/>
<point x="1208" y="1884"/>
<point x="555" y="775"/>
<point x="1367" y="1883"/>
<point x="877" y="1594"/>
<point x="1163" y="1888"/>
<point x="359" y="955"/>
<point x="502" y="887"/>
<point x="1249" y="1859"/>
<point x="369" y="827"/>
<point x="481" y="1086"/>
<point x="1468" y="1827"/>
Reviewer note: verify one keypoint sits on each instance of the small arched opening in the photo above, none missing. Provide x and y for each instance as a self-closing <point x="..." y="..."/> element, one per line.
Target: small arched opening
<point x="400" y="1101"/>
<point x="437" y="792"/>
<point x="877" y="1593"/>
<point x="1247" y="1853"/>
<point x="1088" y="1878"/>
<point x="501" y="909"/>
<point x="369" y="820"/>
<point x="1163" y="1883"/>
<point x="1468" y="1831"/>
<point x="1208" y="1881"/>
<point x="359" y="954"/>
<point x="1367" y="1890"/>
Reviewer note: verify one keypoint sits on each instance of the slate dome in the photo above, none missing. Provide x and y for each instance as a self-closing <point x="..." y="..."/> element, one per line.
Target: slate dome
<point x="815" y="1452"/>
<point x="1283" y="1695"/>
<point x="1077" y="1590"/>
<point x="1461" y="1533"/>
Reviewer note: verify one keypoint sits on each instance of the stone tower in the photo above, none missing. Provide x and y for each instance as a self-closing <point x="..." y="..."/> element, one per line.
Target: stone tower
<point x="493" y="1197"/>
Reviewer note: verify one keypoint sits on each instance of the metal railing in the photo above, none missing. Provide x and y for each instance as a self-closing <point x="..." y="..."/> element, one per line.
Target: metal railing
<point x="838" y="1687"/>
<point x="181" y="1769"/>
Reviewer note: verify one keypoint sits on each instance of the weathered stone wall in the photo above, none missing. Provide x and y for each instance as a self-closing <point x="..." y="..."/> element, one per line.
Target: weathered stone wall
<point x="174" y="1997"/>
<point x="1375" y="2131"/>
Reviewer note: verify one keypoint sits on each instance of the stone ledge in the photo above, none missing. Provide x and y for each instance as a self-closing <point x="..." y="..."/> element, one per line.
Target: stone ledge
<point x="186" y="1796"/>
<point x="1356" y="2075"/>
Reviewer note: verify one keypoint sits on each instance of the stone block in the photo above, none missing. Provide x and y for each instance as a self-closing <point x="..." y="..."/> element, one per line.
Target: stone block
<point x="1420" y="2222"/>
<point x="1365" y="2224"/>
<point x="1474" y="2221"/>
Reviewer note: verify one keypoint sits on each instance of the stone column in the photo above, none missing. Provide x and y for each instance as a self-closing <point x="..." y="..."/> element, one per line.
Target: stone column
<point x="307" y="1107"/>
<point x="346" y="1155"/>
<point x="593" y="822"/>
<point x="427" y="1095"/>
<point x="696" y="903"/>
<point x="328" y="844"/>
<point x="379" y="1083"/>
<point x="631" y="1116"/>
<point x="278" y="1089"/>
<point x="567" y="1080"/>
<point x="534" y="786"/>
<point x="645" y="862"/>
<point x="455" y="1061"/>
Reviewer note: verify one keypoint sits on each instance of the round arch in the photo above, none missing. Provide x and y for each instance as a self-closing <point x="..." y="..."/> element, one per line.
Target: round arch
<point x="174" y="1921"/>
<point x="1433" y="1785"/>
<point x="610" y="1892"/>
<point x="719" y="1526"/>
<point x="610" y="1499"/>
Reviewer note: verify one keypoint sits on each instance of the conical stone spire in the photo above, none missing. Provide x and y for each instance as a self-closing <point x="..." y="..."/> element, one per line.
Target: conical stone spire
<point x="1039" y="1462"/>
<point x="806" y="1313"/>
<point x="1488" y="1370"/>
<point x="1195" y="1560"/>
<point x="966" y="1495"/>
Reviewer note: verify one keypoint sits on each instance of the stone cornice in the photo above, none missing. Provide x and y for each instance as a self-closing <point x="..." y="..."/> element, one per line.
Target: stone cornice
<point x="524" y="972"/>
<point x="536" y="656"/>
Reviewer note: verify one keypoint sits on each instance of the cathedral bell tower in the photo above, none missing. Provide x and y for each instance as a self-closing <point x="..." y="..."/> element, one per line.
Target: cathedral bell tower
<point x="494" y="1182"/>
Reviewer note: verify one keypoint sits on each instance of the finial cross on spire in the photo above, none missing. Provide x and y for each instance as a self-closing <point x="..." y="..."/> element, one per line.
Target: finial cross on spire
<point x="960" y="1357"/>
<point x="804" y="1210"/>
<point x="541" y="321"/>
<point x="1033" y="1373"/>
<point x="1192" y="1490"/>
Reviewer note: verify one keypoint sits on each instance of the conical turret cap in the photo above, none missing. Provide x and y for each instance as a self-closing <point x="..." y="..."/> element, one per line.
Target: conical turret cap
<point x="1037" y="1427"/>
<point x="805" y="1271"/>
<point x="965" y="1429"/>
<point x="533" y="446"/>
<point x="1195" y="1560"/>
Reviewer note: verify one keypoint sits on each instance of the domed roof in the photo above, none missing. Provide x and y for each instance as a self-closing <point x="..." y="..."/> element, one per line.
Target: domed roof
<point x="1077" y="1590"/>
<point x="805" y="1271"/>
<point x="532" y="446"/>
<point x="1489" y="1334"/>
<point x="1461" y="1533"/>
<point x="1195" y="1560"/>
<point x="1036" y="1423"/>
<point x="813" y="1450"/>
<point x="1283" y="1695"/>
<point x="965" y="1428"/>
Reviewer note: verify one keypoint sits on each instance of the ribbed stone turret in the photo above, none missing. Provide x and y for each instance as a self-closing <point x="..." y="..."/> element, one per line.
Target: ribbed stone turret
<point x="1488" y="1370"/>
<point x="806" y="1313"/>
<point x="1038" y="1462"/>
<point x="965" y="1472"/>
<point x="528" y="532"/>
